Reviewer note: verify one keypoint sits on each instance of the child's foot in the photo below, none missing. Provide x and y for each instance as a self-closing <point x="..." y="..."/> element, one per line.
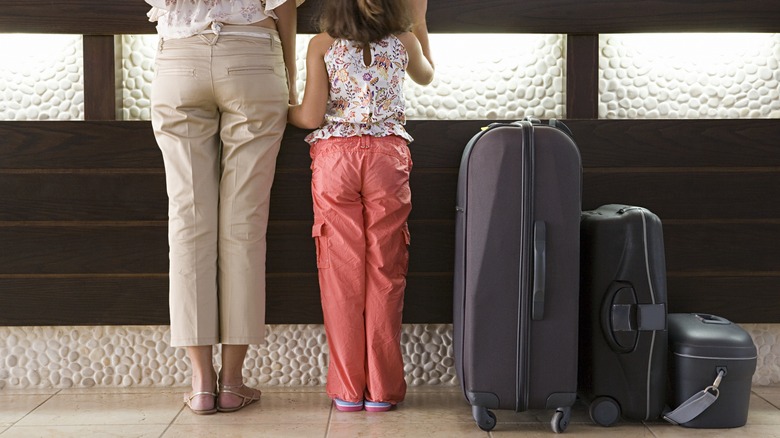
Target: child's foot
<point x="372" y="406"/>
<point x="347" y="406"/>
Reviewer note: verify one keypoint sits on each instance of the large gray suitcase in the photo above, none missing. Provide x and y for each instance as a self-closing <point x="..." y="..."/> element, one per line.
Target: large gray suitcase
<point x="517" y="270"/>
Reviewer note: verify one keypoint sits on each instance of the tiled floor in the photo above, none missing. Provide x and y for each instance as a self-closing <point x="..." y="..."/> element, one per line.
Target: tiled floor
<point x="428" y="412"/>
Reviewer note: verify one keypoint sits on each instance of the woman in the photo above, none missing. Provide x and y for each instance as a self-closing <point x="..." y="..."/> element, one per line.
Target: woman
<point x="224" y="75"/>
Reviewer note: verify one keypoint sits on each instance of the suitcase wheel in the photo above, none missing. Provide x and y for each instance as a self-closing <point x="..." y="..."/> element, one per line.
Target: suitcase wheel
<point x="560" y="419"/>
<point x="604" y="411"/>
<point x="486" y="420"/>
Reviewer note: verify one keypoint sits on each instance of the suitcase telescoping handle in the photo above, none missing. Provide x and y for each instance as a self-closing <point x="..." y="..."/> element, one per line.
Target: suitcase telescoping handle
<point x="540" y="270"/>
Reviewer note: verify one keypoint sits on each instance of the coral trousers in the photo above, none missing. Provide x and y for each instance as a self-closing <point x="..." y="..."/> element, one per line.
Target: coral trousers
<point x="219" y="110"/>
<point x="360" y="189"/>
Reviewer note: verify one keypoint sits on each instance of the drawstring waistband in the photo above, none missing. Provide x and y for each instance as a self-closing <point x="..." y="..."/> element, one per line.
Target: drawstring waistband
<point x="216" y="29"/>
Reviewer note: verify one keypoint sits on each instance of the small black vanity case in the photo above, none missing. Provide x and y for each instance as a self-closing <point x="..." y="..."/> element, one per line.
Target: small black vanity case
<point x="712" y="362"/>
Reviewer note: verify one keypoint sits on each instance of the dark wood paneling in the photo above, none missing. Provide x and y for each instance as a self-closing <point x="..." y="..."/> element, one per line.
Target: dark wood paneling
<point x="696" y="262"/>
<point x="438" y="144"/>
<point x="593" y="16"/>
<point x="78" y="145"/>
<point x="739" y="298"/>
<point x="99" y="72"/>
<point x="143" y="299"/>
<point x="690" y="194"/>
<point x="84" y="300"/>
<point x="718" y="249"/>
<point x="677" y="143"/>
<point x="83" y="196"/>
<point x="78" y="248"/>
<point x="87" y="199"/>
<point x="87" y="17"/>
<point x="109" y="17"/>
<point x="142" y="248"/>
<point x="582" y="81"/>
<point x="700" y="248"/>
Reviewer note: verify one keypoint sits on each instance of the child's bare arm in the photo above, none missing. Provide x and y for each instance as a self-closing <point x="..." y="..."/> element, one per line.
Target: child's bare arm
<point x="287" y="24"/>
<point x="311" y="112"/>
<point x="420" y="68"/>
<point x="420" y="26"/>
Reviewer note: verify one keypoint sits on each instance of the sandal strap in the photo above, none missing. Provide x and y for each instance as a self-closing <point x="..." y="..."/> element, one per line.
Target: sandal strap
<point x="195" y="394"/>
<point x="246" y="399"/>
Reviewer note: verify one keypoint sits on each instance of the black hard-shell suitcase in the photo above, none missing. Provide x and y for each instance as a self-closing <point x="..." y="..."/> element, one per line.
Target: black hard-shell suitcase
<point x="517" y="270"/>
<point x="623" y="336"/>
<point x="712" y="365"/>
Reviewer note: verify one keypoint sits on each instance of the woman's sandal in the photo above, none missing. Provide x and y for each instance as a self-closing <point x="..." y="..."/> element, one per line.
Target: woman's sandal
<point x="246" y="400"/>
<point x="188" y="401"/>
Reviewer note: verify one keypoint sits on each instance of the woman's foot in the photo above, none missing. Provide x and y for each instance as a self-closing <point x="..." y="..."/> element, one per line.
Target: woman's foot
<point x="372" y="406"/>
<point x="202" y="399"/>
<point x="236" y="397"/>
<point x="348" y="406"/>
<point x="201" y="402"/>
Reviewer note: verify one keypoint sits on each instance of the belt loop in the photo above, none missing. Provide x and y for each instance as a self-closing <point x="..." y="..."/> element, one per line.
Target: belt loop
<point x="364" y="141"/>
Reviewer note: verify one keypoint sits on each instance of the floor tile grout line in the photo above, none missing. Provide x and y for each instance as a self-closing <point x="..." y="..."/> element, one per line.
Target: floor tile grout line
<point x="50" y="396"/>
<point x="765" y="399"/>
<point x="170" y="424"/>
<point x="329" y="422"/>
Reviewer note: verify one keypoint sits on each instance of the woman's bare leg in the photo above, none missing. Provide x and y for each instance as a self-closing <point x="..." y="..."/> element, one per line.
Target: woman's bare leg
<point x="231" y="376"/>
<point x="203" y="376"/>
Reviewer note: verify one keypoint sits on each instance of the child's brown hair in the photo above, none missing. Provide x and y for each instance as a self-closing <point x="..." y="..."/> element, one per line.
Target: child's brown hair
<point x="364" y="21"/>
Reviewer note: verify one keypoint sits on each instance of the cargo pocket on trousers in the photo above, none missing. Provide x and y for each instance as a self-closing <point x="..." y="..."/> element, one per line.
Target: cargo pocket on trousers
<point x="321" y="244"/>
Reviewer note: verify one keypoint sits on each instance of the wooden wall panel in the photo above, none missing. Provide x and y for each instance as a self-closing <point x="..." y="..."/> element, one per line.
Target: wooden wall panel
<point x="683" y="144"/>
<point x="38" y="145"/>
<point x="85" y="205"/>
<point x="582" y="67"/>
<point x="734" y="195"/>
<point x="69" y="195"/>
<point x="99" y="66"/>
<point x="110" y="17"/>
<point x="735" y="298"/>
<point x="84" y="300"/>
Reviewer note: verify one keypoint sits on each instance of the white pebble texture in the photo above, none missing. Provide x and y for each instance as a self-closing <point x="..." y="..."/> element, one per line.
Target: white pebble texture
<point x="41" y="77"/>
<point x="693" y="76"/>
<point x="486" y="77"/>
<point x="294" y="355"/>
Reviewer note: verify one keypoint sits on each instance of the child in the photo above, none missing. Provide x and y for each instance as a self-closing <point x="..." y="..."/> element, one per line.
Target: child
<point x="360" y="187"/>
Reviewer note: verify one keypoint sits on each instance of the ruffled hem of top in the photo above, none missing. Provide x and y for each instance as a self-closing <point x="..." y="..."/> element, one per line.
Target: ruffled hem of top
<point x="322" y="134"/>
<point x="161" y="7"/>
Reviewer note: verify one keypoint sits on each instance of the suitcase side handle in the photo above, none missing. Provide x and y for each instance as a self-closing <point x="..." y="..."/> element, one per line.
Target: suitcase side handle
<point x="540" y="270"/>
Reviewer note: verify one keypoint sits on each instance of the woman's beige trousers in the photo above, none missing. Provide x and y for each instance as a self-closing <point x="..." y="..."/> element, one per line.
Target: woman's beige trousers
<point x="219" y="108"/>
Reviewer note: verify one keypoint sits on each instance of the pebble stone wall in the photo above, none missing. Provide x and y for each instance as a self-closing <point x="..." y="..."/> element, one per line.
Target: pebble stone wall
<point x="41" y="77"/>
<point x="294" y="355"/>
<point x="695" y="76"/>
<point x="489" y="77"/>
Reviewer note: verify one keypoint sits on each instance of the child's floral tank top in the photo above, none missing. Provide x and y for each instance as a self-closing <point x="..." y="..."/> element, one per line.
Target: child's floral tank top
<point x="365" y="100"/>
